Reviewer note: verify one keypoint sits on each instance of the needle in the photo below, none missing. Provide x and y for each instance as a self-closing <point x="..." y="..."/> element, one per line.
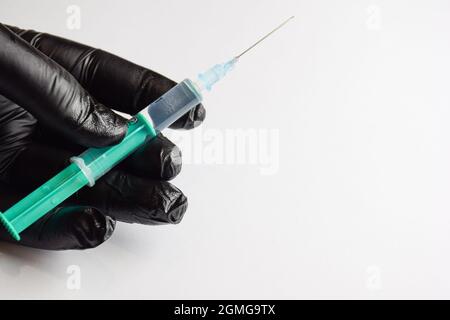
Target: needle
<point x="264" y="38"/>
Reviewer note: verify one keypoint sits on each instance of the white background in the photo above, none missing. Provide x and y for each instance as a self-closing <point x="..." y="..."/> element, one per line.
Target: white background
<point x="359" y="206"/>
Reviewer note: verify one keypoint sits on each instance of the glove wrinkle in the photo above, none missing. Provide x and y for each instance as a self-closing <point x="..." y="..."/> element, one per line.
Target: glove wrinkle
<point x="92" y="229"/>
<point x="132" y="199"/>
<point x="16" y="127"/>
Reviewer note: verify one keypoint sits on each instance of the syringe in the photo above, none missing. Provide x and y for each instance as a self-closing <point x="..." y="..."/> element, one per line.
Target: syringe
<point x="92" y="164"/>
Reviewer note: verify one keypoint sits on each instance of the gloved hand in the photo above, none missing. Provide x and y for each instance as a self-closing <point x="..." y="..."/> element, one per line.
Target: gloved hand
<point x="55" y="100"/>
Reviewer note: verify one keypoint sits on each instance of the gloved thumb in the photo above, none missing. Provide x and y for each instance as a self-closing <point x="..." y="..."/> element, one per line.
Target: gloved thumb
<point x="52" y="95"/>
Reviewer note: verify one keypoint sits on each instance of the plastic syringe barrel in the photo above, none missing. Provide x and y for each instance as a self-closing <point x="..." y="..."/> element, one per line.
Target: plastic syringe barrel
<point x="95" y="162"/>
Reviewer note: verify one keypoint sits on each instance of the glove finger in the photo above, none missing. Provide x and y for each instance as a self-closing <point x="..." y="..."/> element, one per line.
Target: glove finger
<point x="69" y="228"/>
<point x="113" y="81"/>
<point x="192" y="119"/>
<point x="63" y="228"/>
<point x="53" y="95"/>
<point x="118" y="194"/>
<point x="159" y="158"/>
<point x="133" y="199"/>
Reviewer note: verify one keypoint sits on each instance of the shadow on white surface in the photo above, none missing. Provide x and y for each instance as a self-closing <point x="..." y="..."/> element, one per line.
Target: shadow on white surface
<point x="14" y="258"/>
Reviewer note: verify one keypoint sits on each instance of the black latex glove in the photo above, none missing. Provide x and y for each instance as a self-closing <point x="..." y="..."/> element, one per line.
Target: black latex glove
<point x="55" y="100"/>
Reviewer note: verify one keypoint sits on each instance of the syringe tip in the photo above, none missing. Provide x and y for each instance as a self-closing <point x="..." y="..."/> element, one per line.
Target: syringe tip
<point x="210" y="77"/>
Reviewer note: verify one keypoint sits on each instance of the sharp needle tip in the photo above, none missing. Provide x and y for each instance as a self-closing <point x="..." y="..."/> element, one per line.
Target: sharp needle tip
<point x="263" y="38"/>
